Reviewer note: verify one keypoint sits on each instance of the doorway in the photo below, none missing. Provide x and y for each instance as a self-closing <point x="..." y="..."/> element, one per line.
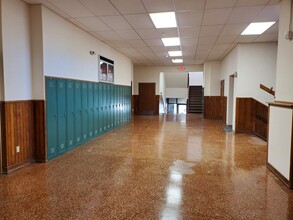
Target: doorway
<point x="231" y="101"/>
<point x="146" y="99"/>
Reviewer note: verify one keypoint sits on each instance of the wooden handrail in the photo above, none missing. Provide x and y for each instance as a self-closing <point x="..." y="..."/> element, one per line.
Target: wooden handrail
<point x="269" y="90"/>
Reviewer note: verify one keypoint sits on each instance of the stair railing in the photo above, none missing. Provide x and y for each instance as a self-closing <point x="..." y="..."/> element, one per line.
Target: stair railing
<point x="268" y="90"/>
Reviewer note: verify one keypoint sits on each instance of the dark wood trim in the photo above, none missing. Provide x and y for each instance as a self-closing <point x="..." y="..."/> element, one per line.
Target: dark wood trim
<point x="291" y="159"/>
<point x="40" y="148"/>
<point x="268" y="90"/>
<point x="282" y="104"/>
<point x="244" y="115"/>
<point x="15" y="167"/>
<point x="280" y="176"/>
<point x="212" y="107"/>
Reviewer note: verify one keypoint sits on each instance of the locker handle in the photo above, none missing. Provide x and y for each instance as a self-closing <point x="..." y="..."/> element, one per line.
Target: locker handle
<point x="65" y="114"/>
<point x="55" y="116"/>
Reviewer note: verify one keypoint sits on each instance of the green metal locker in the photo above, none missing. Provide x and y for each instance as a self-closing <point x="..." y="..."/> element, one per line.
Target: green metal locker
<point x="112" y="106"/>
<point x="62" y="116"/>
<point x="101" y="108"/>
<point x="120" y="105"/>
<point x="124" y="105"/>
<point x="91" y="109"/>
<point x="96" y="109"/>
<point x="70" y="114"/>
<point x="51" y="117"/>
<point x="78" y="112"/>
<point x="84" y="107"/>
<point x="115" y="106"/>
<point x="105" y="103"/>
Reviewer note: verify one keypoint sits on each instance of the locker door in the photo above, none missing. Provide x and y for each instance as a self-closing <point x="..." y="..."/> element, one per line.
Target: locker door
<point x="108" y="101"/>
<point x="78" y="113"/>
<point x="112" y="105"/>
<point x="105" y="116"/>
<point x="96" y="109"/>
<point x="120" y="105"/>
<point x="70" y="114"/>
<point x="62" y="116"/>
<point x="123" y="101"/>
<point x="51" y="117"/>
<point x="130" y="102"/>
<point x="101" y="109"/>
<point x="115" y="106"/>
<point x="84" y="107"/>
<point x="91" y="109"/>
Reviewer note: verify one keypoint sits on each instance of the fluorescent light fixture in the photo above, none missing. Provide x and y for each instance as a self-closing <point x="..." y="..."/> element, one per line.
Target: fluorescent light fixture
<point x="177" y="60"/>
<point x="257" y="28"/>
<point x="164" y="19"/>
<point x="175" y="53"/>
<point x="172" y="41"/>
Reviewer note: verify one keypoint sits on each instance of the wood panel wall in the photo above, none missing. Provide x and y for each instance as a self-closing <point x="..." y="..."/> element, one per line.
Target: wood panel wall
<point x="21" y="126"/>
<point x="212" y="107"/>
<point x="223" y="109"/>
<point x="251" y="117"/>
<point x="40" y="150"/>
<point x="135" y="101"/>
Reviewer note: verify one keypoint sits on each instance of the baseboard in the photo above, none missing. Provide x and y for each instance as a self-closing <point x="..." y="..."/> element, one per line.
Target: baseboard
<point x="280" y="176"/>
<point x="7" y="170"/>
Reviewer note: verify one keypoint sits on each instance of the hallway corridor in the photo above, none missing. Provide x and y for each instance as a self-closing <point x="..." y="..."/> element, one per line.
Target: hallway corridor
<point x="156" y="167"/>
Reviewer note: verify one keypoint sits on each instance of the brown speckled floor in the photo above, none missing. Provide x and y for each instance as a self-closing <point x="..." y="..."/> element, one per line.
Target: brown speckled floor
<point x="153" y="168"/>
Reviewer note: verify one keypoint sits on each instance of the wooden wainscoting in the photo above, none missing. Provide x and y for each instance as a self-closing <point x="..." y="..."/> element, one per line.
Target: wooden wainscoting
<point x="251" y="117"/>
<point x="23" y="125"/>
<point x="40" y="152"/>
<point x="212" y="107"/>
<point x="17" y="130"/>
<point x="135" y="104"/>
<point x="244" y="115"/>
<point x="223" y="108"/>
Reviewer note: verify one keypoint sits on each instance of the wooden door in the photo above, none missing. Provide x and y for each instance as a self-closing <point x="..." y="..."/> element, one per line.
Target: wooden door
<point x="146" y="100"/>
<point x="223" y="102"/>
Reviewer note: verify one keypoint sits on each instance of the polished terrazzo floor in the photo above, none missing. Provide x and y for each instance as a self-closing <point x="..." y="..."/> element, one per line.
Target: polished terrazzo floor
<point x="156" y="167"/>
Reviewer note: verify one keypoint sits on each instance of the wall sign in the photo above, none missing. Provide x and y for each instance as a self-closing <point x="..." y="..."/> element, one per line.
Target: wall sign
<point x="106" y="70"/>
<point x="181" y="68"/>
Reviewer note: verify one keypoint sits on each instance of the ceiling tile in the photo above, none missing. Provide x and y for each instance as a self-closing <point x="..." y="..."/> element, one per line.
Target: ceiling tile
<point x="109" y="35"/>
<point x="274" y="2"/>
<point x="246" y="39"/>
<point x="188" y="41"/>
<point x="128" y="34"/>
<point x="274" y="28"/>
<point x="210" y="30"/>
<point x="93" y="23"/>
<point x="226" y="39"/>
<point x="220" y="4"/>
<point x="78" y="24"/>
<point x="189" y="18"/>
<point x="189" y="4"/>
<point x="56" y="9"/>
<point x="148" y="34"/>
<point x="168" y="32"/>
<point x="199" y="61"/>
<point x="119" y="43"/>
<point x="267" y="37"/>
<point x="189" y="32"/>
<point x="221" y="46"/>
<point x="116" y="22"/>
<point x="137" y="43"/>
<point x="251" y="2"/>
<point x="72" y="7"/>
<point x="154" y="42"/>
<point x="207" y="40"/>
<point x="204" y="48"/>
<point x="216" y="16"/>
<point x="269" y="13"/>
<point x="129" y="6"/>
<point x="100" y="8"/>
<point x="233" y="29"/>
<point x="140" y="21"/>
<point x="158" y="5"/>
<point x="243" y="14"/>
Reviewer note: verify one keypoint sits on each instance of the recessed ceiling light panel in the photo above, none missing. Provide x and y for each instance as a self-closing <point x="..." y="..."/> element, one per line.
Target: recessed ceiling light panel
<point x="164" y="19"/>
<point x="175" y="53"/>
<point x="172" y="41"/>
<point x="257" y="28"/>
<point x="177" y="60"/>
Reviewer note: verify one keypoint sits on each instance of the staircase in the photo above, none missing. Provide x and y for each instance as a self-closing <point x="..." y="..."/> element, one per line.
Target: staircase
<point x="195" y="99"/>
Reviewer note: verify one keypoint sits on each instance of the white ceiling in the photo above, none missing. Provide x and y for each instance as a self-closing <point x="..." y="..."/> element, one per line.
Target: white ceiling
<point x="208" y="29"/>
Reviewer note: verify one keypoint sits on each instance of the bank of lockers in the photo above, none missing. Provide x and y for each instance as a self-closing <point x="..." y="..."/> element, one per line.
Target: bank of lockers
<point x="77" y="111"/>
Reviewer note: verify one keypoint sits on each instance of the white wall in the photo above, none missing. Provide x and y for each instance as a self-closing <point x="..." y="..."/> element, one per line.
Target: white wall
<point x="162" y="83"/>
<point x="66" y="52"/>
<point x="37" y="58"/>
<point x="256" y="65"/>
<point x="16" y="50"/>
<point x="196" y="78"/>
<point x="151" y="74"/>
<point x="177" y="93"/>
<point x="212" y="78"/>
<point x="284" y="78"/>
